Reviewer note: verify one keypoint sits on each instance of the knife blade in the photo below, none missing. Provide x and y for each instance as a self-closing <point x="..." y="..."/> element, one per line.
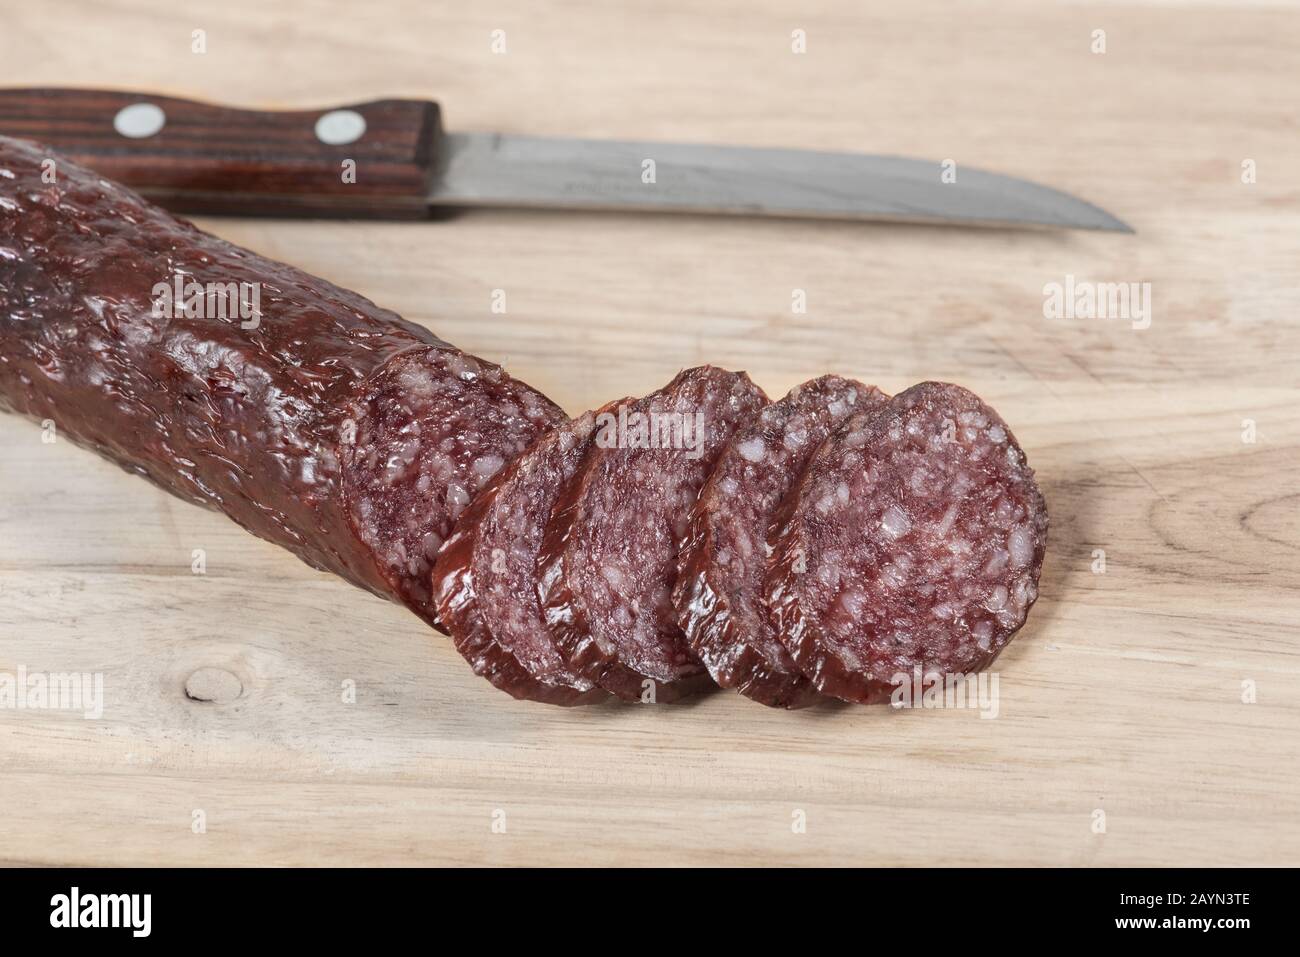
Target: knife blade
<point x="522" y="171"/>
<point x="392" y="159"/>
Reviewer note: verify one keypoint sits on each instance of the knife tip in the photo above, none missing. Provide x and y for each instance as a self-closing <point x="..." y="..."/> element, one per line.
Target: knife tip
<point x="1099" y="219"/>
<point x="1118" y="226"/>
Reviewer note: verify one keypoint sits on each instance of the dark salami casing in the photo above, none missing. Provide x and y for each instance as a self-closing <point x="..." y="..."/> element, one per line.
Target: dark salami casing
<point x="719" y="592"/>
<point x="609" y="558"/>
<point x="263" y="418"/>
<point x="913" y="542"/>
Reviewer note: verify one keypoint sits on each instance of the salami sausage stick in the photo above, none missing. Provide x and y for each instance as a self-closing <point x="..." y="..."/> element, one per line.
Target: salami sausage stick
<point x="306" y="413"/>
<point x="914" y="541"/>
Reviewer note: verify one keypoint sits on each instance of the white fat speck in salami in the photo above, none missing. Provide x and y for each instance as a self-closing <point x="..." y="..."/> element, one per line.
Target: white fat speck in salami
<point x="932" y="562"/>
<point x="718" y="595"/>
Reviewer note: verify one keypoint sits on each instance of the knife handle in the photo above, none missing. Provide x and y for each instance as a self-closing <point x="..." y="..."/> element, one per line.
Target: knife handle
<point x="369" y="160"/>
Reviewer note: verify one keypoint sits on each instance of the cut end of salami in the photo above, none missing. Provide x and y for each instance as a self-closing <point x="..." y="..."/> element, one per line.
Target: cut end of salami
<point x="915" y="541"/>
<point x="609" y="559"/>
<point x="484" y="580"/>
<point x="719" y="592"/>
<point x="423" y="435"/>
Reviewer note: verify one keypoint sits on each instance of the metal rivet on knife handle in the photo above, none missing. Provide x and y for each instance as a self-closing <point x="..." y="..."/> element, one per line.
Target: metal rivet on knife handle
<point x="340" y="127"/>
<point x="139" y="120"/>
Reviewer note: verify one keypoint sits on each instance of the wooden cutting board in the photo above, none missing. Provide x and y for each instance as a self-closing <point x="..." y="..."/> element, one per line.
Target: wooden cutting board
<point x="1148" y="714"/>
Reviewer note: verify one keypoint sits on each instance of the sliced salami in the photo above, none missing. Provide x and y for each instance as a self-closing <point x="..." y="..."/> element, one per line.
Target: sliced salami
<point x="425" y="434"/>
<point x="719" y="592"/>
<point x="484" y="580"/>
<point x="609" y="560"/>
<point x="914" y="541"/>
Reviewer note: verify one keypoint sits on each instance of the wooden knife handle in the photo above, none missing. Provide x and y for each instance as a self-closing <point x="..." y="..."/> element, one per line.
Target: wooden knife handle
<point x="214" y="159"/>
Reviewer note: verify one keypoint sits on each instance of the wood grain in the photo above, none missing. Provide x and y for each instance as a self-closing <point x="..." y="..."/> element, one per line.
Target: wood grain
<point x="1123" y="694"/>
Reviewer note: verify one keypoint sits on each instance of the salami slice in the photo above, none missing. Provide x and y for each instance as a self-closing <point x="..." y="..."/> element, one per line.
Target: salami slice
<point x="422" y="437"/>
<point x="609" y="559"/>
<point x="915" y="541"/>
<point x="719" y="592"/>
<point x="485" y="578"/>
<point x="255" y="389"/>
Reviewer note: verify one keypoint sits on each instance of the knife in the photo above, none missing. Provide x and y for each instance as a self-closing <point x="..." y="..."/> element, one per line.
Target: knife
<point x="391" y="159"/>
